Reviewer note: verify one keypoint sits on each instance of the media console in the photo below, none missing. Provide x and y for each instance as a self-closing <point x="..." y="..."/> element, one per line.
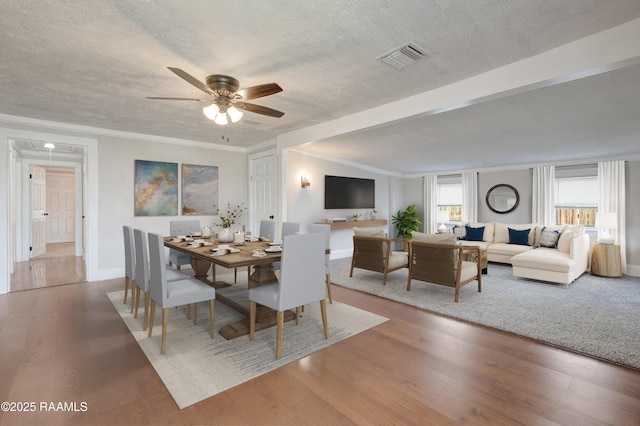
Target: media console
<point x="351" y="224"/>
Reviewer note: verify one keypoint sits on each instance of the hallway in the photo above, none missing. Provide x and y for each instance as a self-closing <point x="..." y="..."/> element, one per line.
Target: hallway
<point x="58" y="266"/>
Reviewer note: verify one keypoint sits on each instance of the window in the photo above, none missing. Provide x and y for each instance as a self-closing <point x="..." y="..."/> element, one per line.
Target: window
<point x="576" y="193"/>
<point x="450" y="196"/>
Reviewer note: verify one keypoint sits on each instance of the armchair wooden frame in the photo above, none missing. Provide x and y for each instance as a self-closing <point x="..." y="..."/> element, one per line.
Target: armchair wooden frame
<point x="444" y="265"/>
<point x="373" y="254"/>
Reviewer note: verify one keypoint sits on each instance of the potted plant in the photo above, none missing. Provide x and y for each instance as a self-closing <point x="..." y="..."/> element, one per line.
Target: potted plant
<point x="356" y="217"/>
<point x="406" y="222"/>
<point x="227" y="220"/>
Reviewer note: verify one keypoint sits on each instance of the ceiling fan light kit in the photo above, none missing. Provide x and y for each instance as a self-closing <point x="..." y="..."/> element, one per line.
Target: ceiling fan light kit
<point x="226" y="98"/>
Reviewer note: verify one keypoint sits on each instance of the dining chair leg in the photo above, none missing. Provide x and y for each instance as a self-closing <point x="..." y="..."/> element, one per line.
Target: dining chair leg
<point x="252" y="320"/>
<point x="195" y="313"/>
<point x="189" y="311"/>
<point x="165" y="323"/>
<point x="146" y="310"/>
<point x="325" y="323"/>
<point x="211" y="309"/>
<point x="133" y="286"/>
<point x="329" y="288"/>
<point x="126" y="289"/>
<point x="298" y="309"/>
<point x="235" y="275"/>
<point x="137" y="303"/>
<point x="152" y="316"/>
<point x="279" y="334"/>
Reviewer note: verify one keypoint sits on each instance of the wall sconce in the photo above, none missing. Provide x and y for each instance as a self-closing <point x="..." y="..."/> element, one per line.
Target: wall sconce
<point x="304" y="182"/>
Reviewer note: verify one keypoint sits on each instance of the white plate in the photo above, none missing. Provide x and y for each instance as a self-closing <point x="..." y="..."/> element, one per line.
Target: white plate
<point x="273" y="249"/>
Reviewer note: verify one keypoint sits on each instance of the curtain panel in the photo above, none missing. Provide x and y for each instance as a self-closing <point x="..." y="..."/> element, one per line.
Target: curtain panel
<point x="430" y="204"/>
<point x="611" y="183"/>
<point x="470" y="197"/>
<point x="543" y="208"/>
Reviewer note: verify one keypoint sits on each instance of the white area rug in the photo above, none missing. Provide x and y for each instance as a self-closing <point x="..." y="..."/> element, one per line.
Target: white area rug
<point x="196" y="367"/>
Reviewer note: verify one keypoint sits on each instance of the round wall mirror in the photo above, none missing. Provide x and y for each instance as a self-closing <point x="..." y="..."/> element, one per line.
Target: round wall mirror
<point x="503" y="198"/>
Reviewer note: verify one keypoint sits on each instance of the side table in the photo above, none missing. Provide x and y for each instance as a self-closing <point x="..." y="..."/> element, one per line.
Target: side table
<point x="605" y="260"/>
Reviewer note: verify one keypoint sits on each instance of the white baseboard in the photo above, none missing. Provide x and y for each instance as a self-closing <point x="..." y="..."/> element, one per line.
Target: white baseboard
<point x="633" y="270"/>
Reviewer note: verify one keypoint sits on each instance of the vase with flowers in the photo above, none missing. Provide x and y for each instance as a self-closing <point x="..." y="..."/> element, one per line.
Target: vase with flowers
<point x="229" y="218"/>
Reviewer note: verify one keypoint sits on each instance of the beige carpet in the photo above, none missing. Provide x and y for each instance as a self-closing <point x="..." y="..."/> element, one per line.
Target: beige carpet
<point x="196" y="367"/>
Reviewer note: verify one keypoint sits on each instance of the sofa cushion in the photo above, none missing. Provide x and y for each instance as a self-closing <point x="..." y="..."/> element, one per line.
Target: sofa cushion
<point x="501" y="232"/>
<point x="506" y="249"/>
<point x="475" y="234"/>
<point x="488" y="229"/>
<point x="549" y="237"/>
<point x="568" y="234"/>
<point x="519" y="236"/>
<point x="544" y="258"/>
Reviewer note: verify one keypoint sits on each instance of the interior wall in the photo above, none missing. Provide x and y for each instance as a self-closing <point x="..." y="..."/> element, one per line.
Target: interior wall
<point x="522" y="180"/>
<point x="116" y="188"/>
<point x="307" y="205"/>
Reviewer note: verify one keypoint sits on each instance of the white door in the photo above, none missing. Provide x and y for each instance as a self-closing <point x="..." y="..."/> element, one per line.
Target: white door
<point x="38" y="211"/>
<point x="263" y="190"/>
<point x="61" y="203"/>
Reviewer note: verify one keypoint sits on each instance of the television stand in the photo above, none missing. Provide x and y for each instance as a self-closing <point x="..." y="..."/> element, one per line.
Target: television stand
<point x="359" y="223"/>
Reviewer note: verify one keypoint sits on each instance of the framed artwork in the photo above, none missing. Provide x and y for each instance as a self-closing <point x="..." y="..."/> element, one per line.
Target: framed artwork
<point x="156" y="188"/>
<point x="199" y="189"/>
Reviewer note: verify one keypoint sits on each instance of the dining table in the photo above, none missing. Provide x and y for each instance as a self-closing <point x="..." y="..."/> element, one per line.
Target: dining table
<point x="205" y="255"/>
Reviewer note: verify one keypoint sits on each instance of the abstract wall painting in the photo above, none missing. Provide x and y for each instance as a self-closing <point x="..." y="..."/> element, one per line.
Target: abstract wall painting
<point x="199" y="189"/>
<point x="156" y="188"/>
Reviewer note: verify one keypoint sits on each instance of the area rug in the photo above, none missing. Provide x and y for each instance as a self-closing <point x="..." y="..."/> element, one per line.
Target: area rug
<point x="195" y="367"/>
<point x="595" y="316"/>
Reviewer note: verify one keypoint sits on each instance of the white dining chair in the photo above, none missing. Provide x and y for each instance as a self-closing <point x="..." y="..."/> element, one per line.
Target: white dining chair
<point x="129" y="262"/>
<point x="324" y="229"/>
<point x="267" y="231"/>
<point x="174" y="293"/>
<point x="143" y="276"/>
<point x="301" y="282"/>
<point x="288" y="228"/>
<point x="181" y="227"/>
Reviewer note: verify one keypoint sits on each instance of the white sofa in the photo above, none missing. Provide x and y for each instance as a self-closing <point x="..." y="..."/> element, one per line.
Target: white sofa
<point x="562" y="264"/>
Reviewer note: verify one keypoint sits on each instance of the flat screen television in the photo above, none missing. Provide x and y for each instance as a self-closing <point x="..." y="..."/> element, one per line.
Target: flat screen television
<point x="342" y="192"/>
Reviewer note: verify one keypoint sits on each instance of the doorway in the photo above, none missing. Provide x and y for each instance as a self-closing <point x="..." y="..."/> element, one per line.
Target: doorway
<point x="49" y="229"/>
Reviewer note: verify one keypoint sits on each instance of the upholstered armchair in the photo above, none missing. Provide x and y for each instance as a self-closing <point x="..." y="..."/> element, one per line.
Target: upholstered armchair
<point x="438" y="259"/>
<point x="372" y="251"/>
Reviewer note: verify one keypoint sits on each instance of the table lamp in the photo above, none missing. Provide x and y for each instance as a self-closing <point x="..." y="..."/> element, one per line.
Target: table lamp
<point x="442" y="217"/>
<point x="606" y="222"/>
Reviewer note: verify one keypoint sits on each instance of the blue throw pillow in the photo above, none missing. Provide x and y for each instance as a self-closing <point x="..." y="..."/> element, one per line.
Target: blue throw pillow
<point x="549" y="238"/>
<point x="474" y="234"/>
<point x="519" y="236"/>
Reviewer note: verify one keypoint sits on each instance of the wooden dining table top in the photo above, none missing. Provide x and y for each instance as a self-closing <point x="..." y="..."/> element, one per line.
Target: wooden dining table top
<point x="229" y="260"/>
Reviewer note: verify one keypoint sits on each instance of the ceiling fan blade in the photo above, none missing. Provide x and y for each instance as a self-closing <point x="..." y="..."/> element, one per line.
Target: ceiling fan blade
<point x="190" y="79"/>
<point x="259" y="109"/>
<point x="259" y="91"/>
<point x="180" y="99"/>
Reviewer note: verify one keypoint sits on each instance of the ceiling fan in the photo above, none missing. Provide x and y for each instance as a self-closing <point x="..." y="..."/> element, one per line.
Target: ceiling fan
<point x="226" y="97"/>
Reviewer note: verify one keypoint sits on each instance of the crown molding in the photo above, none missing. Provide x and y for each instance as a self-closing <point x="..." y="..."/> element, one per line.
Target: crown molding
<point x="97" y="131"/>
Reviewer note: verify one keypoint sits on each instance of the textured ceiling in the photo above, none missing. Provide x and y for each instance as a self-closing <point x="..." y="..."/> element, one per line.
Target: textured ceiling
<point x="93" y="62"/>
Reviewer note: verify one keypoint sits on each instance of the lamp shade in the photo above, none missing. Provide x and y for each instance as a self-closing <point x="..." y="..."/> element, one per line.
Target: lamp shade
<point x="606" y="220"/>
<point x="234" y="113"/>
<point x="211" y="111"/>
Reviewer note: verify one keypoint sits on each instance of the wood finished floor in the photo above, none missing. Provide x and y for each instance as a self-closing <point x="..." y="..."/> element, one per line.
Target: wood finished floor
<point x="57" y="266"/>
<point x="67" y="343"/>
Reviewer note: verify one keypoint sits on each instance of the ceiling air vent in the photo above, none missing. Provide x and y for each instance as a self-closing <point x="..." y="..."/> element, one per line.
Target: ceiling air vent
<point x="404" y="56"/>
